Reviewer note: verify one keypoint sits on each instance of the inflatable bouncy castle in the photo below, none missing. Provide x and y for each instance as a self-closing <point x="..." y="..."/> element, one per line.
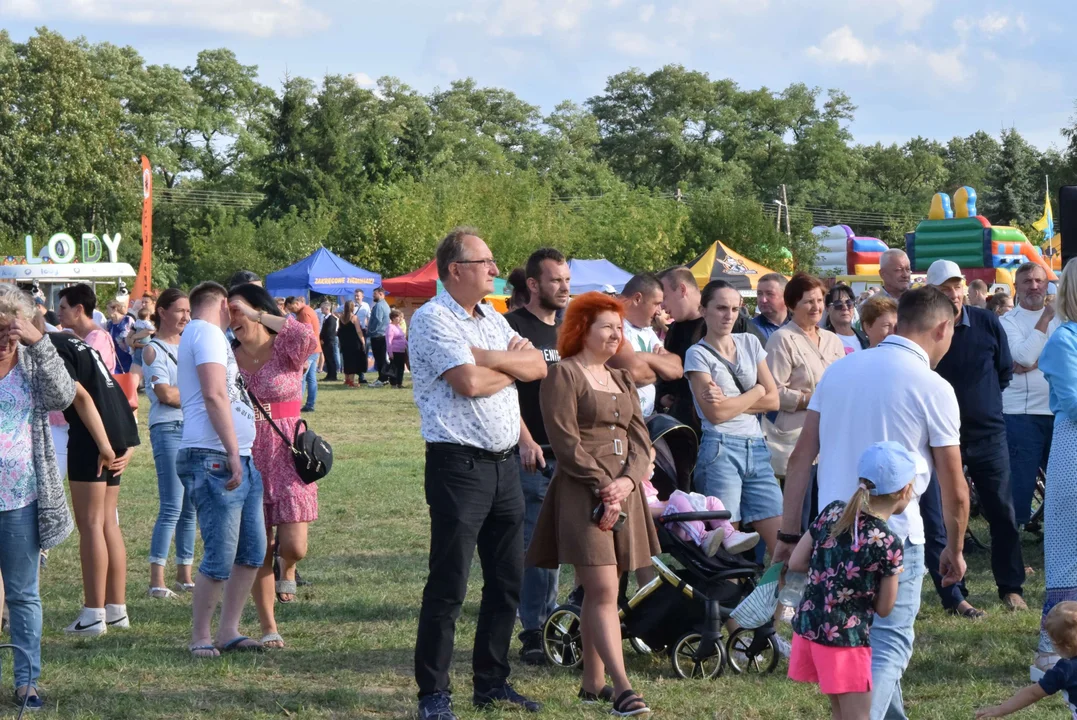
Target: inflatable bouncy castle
<point x="843" y="253"/>
<point x="954" y="231"/>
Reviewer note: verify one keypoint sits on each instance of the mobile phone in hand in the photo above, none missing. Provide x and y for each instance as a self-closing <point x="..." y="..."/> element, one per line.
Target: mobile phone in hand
<point x="600" y="510"/>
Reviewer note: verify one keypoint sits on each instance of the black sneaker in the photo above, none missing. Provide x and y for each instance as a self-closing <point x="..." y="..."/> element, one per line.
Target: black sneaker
<point x="504" y="694"/>
<point x="436" y="707"/>
<point x="532" y="653"/>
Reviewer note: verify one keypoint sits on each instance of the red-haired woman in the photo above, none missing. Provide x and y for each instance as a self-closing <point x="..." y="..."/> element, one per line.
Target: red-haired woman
<point x="596" y="430"/>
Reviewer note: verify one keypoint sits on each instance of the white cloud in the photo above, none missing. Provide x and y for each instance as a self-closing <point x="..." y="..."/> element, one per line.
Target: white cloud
<point x="614" y="3"/>
<point x="262" y="18"/>
<point x="631" y="43"/>
<point x="510" y="18"/>
<point x="842" y="47"/>
<point x="646" y="13"/>
<point x="911" y="13"/>
<point x="993" y="23"/>
<point x="1021" y="24"/>
<point x="447" y="66"/>
<point x="363" y="80"/>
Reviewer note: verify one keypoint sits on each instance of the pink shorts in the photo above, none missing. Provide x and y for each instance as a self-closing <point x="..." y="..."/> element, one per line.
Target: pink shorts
<point x="838" y="670"/>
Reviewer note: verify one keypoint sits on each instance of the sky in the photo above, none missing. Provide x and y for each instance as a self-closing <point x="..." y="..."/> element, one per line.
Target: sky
<point x="913" y="67"/>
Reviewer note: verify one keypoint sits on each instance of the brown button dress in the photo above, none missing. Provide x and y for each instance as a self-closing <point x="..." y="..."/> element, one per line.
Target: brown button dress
<point x="596" y="437"/>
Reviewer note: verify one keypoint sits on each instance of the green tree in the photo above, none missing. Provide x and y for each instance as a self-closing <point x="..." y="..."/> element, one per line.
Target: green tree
<point x="1016" y="195"/>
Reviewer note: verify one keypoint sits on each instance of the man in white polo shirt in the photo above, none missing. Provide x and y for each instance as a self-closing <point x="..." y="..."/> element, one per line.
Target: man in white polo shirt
<point x="915" y="407"/>
<point x="642" y="353"/>
<point x="1025" y="407"/>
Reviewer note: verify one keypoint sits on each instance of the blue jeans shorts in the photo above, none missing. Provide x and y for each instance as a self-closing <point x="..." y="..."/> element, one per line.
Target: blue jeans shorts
<point x="232" y="521"/>
<point x="736" y="470"/>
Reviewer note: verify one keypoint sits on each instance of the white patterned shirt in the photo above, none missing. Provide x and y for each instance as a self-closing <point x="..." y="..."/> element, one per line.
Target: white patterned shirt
<point x="441" y="336"/>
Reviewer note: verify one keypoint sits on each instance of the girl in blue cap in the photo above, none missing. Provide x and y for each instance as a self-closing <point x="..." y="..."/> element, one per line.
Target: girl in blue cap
<point x="852" y="560"/>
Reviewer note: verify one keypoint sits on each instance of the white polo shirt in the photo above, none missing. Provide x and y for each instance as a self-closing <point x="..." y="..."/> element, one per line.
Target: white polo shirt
<point x="887" y="393"/>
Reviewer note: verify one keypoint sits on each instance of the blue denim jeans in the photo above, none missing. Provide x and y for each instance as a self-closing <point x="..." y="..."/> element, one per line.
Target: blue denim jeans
<point x="310" y="378"/>
<point x="232" y="521"/>
<point x="737" y="470"/>
<point x="20" y="553"/>
<point x="892" y="638"/>
<point x="538" y="593"/>
<point x="176" y="514"/>
<point x="1029" y="438"/>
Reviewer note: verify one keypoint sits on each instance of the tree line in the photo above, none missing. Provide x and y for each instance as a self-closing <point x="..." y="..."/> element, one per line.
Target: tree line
<point x="647" y="173"/>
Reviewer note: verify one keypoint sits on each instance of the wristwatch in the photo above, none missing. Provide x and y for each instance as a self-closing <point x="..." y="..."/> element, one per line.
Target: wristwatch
<point x="789" y="538"/>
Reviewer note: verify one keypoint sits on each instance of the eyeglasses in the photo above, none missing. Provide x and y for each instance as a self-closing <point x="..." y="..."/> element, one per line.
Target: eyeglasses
<point x="843" y="304"/>
<point x="490" y="263"/>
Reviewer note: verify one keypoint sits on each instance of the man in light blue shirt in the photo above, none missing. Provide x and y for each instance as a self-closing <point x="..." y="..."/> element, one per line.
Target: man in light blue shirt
<point x="377" y="327"/>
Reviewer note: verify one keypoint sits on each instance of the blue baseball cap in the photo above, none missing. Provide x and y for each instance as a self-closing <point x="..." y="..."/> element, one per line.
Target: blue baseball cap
<point x="889" y="466"/>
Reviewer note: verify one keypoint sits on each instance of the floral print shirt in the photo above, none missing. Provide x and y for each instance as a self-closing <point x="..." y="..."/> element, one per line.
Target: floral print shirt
<point x="18" y="480"/>
<point x="838" y="603"/>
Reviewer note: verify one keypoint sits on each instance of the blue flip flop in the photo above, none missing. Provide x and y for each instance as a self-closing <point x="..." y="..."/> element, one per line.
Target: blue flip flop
<point x="236" y="645"/>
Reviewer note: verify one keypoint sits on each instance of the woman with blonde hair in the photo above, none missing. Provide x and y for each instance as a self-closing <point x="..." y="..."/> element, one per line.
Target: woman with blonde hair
<point x="351" y="345"/>
<point x="1058" y="361"/>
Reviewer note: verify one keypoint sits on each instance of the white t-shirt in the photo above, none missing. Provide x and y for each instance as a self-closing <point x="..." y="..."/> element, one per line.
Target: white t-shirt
<point x="851" y="343"/>
<point x="643" y="340"/>
<point x="887" y="393"/>
<point x="749" y="354"/>
<point x="203" y="343"/>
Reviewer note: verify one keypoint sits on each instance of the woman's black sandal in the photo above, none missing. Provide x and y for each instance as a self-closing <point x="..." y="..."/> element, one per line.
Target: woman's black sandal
<point x="629" y="704"/>
<point x="590" y="698"/>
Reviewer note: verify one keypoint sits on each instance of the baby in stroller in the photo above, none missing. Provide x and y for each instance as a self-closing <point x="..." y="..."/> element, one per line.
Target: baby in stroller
<point x="708" y="535"/>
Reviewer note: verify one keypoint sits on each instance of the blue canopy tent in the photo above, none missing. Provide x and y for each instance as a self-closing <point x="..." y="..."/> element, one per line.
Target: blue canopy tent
<point x="322" y="272"/>
<point x="588" y="275"/>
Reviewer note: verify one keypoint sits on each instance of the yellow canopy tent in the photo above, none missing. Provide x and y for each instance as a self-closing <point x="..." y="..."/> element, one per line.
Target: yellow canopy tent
<point x="720" y="263"/>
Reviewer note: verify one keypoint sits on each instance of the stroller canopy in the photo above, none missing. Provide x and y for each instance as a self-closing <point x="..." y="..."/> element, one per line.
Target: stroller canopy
<point x="675" y="448"/>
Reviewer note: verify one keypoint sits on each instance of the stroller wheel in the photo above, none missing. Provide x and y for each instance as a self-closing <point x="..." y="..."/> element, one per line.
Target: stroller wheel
<point x="561" y="639"/>
<point x="688" y="661"/>
<point x="748" y="654"/>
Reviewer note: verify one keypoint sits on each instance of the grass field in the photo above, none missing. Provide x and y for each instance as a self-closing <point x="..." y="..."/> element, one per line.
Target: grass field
<point x="351" y="634"/>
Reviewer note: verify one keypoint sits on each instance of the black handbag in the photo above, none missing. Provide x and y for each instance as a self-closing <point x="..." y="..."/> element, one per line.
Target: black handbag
<point x="313" y="456"/>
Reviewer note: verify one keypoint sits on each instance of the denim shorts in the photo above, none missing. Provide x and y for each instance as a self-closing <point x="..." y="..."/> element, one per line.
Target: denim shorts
<point x="232" y="521"/>
<point x="736" y="470"/>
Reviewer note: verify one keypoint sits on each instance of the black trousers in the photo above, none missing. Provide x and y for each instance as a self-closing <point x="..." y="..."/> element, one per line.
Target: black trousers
<point x="396" y="369"/>
<point x="988" y="463"/>
<point x="380" y="350"/>
<point x="362" y="358"/>
<point x="476" y="501"/>
<point x="329" y="350"/>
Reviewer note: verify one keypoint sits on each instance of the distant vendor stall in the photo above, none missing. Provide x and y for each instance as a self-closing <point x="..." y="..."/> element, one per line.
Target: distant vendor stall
<point x="720" y="263"/>
<point x="62" y="261"/>
<point x="322" y="272"/>
<point x="595" y="275"/>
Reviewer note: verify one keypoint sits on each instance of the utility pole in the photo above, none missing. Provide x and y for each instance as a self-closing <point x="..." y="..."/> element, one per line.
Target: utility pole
<point x="785" y="202"/>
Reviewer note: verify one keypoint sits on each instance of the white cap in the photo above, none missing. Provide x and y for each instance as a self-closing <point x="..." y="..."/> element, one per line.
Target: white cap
<point x="943" y="270"/>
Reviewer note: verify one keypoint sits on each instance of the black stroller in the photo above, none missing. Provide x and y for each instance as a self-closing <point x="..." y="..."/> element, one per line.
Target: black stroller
<point x="682" y="611"/>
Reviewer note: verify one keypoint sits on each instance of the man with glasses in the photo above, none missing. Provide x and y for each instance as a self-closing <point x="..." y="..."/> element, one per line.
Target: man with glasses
<point x="465" y="361"/>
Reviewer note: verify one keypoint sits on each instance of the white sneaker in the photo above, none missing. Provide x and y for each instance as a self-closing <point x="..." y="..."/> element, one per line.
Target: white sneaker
<point x="90" y="622"/>
<point x="739" y="542"/>
<point x="712" y="541"/>
<point x="116" y="617"/>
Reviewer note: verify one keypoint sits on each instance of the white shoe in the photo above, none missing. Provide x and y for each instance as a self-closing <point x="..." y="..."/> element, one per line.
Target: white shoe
<point x="739" y="542"/>
<point x="1045" y="661"/>
<point x="712" y="541"/>
<point x="90" y="622"/>
<point x="116" y="617"/>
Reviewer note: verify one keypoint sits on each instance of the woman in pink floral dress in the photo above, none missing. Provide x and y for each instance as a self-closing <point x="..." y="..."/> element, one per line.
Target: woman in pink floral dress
<point x="272" y="352"/>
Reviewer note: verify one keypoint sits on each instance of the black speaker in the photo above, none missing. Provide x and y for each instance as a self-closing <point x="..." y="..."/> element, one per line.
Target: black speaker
<point x="1067" y="209"/>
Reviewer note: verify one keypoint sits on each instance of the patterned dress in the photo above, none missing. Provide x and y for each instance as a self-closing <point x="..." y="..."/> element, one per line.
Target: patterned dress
<point x="287" y="499"/>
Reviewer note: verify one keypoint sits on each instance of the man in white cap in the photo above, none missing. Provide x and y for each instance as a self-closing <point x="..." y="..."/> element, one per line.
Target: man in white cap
<point x="915" y="408"/>
<point x="979" y="367"/>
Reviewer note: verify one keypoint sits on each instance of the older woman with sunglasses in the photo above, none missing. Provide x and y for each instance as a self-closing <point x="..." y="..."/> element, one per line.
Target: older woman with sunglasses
<point x="840" y="314"/>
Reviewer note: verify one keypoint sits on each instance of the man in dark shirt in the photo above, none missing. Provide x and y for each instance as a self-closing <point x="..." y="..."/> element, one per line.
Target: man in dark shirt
<point x="681" y="299"/>
<point x="538" y="321"/>
<point x="979" y="367"/>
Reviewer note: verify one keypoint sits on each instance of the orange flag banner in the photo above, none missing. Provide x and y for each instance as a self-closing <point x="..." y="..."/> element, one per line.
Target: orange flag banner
<point x="144" y="279"/>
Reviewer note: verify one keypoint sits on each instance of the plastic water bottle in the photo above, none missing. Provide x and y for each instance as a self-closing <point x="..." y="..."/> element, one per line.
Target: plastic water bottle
<point x="793" y="589"/>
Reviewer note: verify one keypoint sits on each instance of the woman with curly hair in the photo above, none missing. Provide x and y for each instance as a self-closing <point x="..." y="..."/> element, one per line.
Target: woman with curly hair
<point x="596" y="430"/>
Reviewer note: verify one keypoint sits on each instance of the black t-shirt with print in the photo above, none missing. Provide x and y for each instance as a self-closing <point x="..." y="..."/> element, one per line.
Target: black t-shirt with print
<point x="85" y="366"/>
<point x="544" y="338"/>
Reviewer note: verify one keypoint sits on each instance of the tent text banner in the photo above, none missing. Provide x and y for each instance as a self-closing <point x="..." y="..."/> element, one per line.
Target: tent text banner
<point x="62" y="248"/>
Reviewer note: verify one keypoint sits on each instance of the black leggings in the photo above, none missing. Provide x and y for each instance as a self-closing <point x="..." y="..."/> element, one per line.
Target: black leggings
<point x="396" y="369"/>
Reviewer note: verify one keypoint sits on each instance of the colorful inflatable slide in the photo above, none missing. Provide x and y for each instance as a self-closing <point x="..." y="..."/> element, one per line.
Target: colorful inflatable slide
<point x="843" y="253"/>
<point x="983" y="251"/>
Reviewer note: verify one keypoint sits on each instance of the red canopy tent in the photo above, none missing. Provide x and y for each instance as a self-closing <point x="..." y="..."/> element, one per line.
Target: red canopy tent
<point x="421" y="283"/>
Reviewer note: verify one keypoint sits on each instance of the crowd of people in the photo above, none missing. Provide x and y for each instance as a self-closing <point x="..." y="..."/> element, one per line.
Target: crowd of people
<point x="835" y="428"/>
